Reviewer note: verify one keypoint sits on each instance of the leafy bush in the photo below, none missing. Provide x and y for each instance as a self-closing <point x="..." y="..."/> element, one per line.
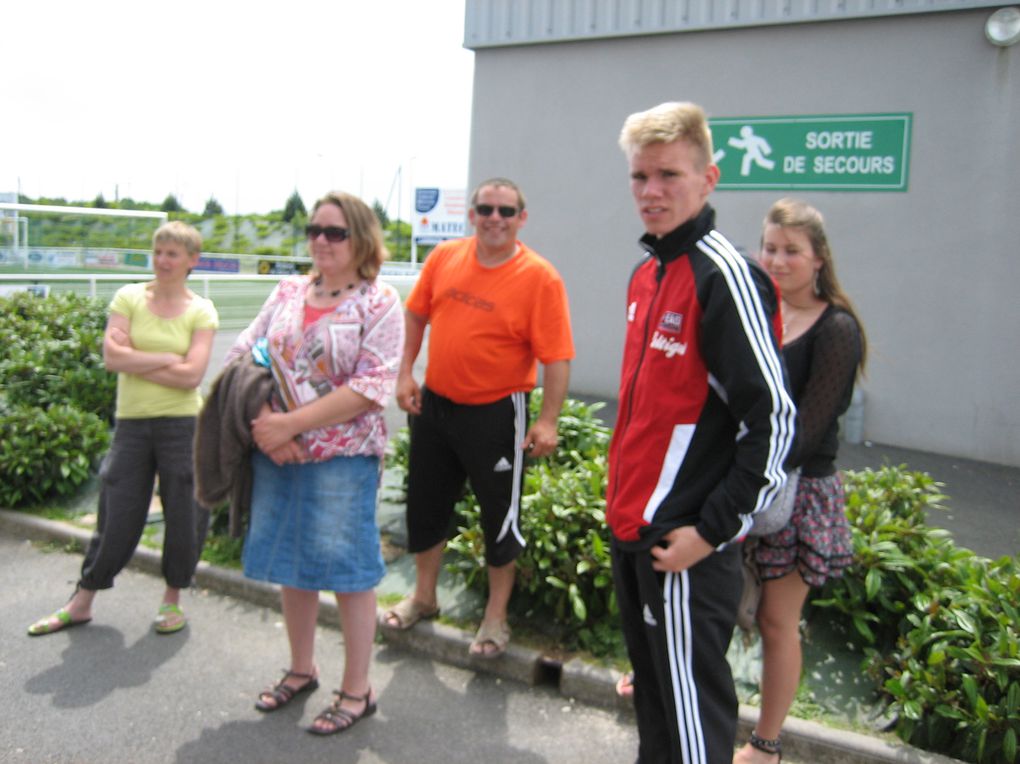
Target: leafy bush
<point x="564" y="575"/>
<point x="953" y="677"/>
<point x="56" y="398"/>
<point x="895" y="552"/>
<point x="939" y="624"/>
<point x="52" y="353"/>
<point x="47" y="452"/>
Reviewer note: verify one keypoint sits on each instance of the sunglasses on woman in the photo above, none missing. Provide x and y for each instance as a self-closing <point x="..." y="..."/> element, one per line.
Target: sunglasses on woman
<point x="334" y="234"/>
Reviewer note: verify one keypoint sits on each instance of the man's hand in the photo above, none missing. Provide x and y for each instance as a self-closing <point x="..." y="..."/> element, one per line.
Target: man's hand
<point x="408" y="394"/>
<point x="540" y="439"/>
<point x="684" y="549"/>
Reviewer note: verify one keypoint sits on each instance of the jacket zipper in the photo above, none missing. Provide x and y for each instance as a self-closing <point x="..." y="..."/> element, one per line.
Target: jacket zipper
<point x="659" y="275"/>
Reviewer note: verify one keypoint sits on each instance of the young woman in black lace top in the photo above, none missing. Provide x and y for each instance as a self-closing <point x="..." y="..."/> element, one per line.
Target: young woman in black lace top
<point x="824" y="348"/>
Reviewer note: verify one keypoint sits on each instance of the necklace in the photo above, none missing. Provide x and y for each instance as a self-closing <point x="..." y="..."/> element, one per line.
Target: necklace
<point x="319" y="291"/>
<point x="793" y="315"/>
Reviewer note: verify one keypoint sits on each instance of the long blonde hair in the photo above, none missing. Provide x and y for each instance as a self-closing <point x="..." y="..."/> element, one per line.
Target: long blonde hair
<point x="794" y="213"/>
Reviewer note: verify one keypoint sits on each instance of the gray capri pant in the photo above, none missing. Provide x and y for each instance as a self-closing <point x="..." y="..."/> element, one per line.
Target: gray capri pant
<point x="142" y="449"/>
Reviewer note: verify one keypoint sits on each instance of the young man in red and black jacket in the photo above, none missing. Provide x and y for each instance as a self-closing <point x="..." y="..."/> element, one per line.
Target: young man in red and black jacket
<point x="705" y="422"/>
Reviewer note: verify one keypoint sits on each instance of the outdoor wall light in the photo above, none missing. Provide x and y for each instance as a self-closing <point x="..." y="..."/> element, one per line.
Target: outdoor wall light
<point x="1003" y="27"/>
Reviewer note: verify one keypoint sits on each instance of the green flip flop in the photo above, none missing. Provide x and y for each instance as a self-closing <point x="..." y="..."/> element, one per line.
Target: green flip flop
<point x="170" y="619"/>
<point x="53" y="623"/>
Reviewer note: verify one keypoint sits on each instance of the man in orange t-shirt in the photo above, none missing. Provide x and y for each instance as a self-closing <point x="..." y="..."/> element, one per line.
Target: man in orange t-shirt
<point x="496" y="309"/>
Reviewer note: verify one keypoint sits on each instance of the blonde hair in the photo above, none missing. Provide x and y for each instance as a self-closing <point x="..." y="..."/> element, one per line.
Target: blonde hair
<point x="365" y="232"/>
<point x="179" y="233"/>
<point x="668" y="122"/>
<point x="794" y="213"/>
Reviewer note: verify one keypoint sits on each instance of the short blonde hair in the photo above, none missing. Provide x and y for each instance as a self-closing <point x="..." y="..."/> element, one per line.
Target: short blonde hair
<point x="668" y="122"/>
<point x="366" y="234"/>
<point x="179" y="233"/>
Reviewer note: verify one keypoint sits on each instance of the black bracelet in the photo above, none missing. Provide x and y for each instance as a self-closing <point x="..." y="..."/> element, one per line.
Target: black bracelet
<point x="765" y="746"/>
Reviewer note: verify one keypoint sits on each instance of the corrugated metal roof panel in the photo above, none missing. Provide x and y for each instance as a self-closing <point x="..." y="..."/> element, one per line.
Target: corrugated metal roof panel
<point x="492" y="23"/>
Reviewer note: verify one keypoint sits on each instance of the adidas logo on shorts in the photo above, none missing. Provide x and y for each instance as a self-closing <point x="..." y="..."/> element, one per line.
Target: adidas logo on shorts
<point x="502" y="465"/>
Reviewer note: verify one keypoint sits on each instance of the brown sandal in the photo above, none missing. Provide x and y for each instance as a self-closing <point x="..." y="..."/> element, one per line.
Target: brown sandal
<point x="407" y="613"/>
<point x="492" y="634"/>
<point x="340" y="719"/>
<point x="282" y="693"/>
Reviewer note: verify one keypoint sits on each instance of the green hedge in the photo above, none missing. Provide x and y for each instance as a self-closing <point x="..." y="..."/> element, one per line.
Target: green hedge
<point x="47" y="452"/>
<point x="52" y="353"/>
<point x="939" y="625"/>
<point x="56" y="398"/>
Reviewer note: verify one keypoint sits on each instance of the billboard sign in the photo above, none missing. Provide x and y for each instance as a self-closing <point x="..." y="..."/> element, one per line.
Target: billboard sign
<point x="439" y="214"/>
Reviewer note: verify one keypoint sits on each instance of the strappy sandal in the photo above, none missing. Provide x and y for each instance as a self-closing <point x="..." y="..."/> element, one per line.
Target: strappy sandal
<point x="407" y="613"/>
<point x="282" y="693"/>
<point x="59" y="620"/>
<point x="339" y="718"/>
<point x="170" y="619"/>
<point x="773" y="747"/>
<point x="55" y="622"/>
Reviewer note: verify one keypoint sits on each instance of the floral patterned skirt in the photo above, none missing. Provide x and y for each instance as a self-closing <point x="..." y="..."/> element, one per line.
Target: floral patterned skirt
<point x="816" y="542"/>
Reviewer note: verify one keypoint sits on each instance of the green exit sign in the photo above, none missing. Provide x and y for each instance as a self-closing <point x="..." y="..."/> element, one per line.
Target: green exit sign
<point x="844" y="152"/>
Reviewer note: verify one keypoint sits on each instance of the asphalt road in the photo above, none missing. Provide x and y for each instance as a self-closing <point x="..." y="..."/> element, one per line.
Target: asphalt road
<point x="114" y="691"/>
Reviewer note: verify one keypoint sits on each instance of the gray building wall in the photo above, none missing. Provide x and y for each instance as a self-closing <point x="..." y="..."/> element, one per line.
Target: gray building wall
<point x="933" y="271"/>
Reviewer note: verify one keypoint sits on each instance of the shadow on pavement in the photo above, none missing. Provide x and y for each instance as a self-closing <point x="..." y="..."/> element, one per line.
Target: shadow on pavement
<point x="76" y="683"/>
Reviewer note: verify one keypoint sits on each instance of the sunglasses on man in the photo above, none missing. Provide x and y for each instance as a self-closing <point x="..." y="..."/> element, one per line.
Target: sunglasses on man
<point x="505" y="210"/>
<point x="334" y="234"/>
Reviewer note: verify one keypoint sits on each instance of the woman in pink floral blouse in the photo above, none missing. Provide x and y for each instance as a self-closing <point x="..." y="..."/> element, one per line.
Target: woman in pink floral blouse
<point x="334" y="339"/>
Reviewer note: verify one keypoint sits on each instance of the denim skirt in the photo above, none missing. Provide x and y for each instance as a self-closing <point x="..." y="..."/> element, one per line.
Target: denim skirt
<point x="313" y="526"/>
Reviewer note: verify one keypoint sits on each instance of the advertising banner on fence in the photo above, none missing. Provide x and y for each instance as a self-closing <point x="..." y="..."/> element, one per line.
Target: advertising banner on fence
<point x="838" y="152"/>
<point x="138" y="259"/>
<point x="219" y="264"/>
<point x="282" y="267"/>
<point x="439" y="214"/>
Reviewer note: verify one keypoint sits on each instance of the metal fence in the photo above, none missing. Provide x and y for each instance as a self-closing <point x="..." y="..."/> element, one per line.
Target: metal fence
<point x="237" y="296"/>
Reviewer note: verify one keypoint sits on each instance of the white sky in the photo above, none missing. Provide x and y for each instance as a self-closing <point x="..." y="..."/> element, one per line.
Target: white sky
<point x="241" y="101"/>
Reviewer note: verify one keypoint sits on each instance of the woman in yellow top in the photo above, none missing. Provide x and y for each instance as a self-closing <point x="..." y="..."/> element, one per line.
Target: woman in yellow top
<point x="158" y="339"/>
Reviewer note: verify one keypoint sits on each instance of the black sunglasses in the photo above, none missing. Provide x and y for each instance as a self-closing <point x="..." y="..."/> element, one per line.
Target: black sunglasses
<point x="505" y="210"/>
<point x="334" y="233"/>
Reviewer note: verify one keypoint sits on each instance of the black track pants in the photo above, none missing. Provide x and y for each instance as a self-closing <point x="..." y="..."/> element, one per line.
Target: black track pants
<point x="678" y="627"/>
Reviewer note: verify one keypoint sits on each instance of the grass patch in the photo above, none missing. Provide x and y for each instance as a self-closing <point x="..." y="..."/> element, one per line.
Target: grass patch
<point x="223" y="551"/>
<point x="48" y="547"/>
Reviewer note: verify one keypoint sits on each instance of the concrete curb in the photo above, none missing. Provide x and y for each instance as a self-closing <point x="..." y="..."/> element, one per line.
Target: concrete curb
<point x="594" y="685"/>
